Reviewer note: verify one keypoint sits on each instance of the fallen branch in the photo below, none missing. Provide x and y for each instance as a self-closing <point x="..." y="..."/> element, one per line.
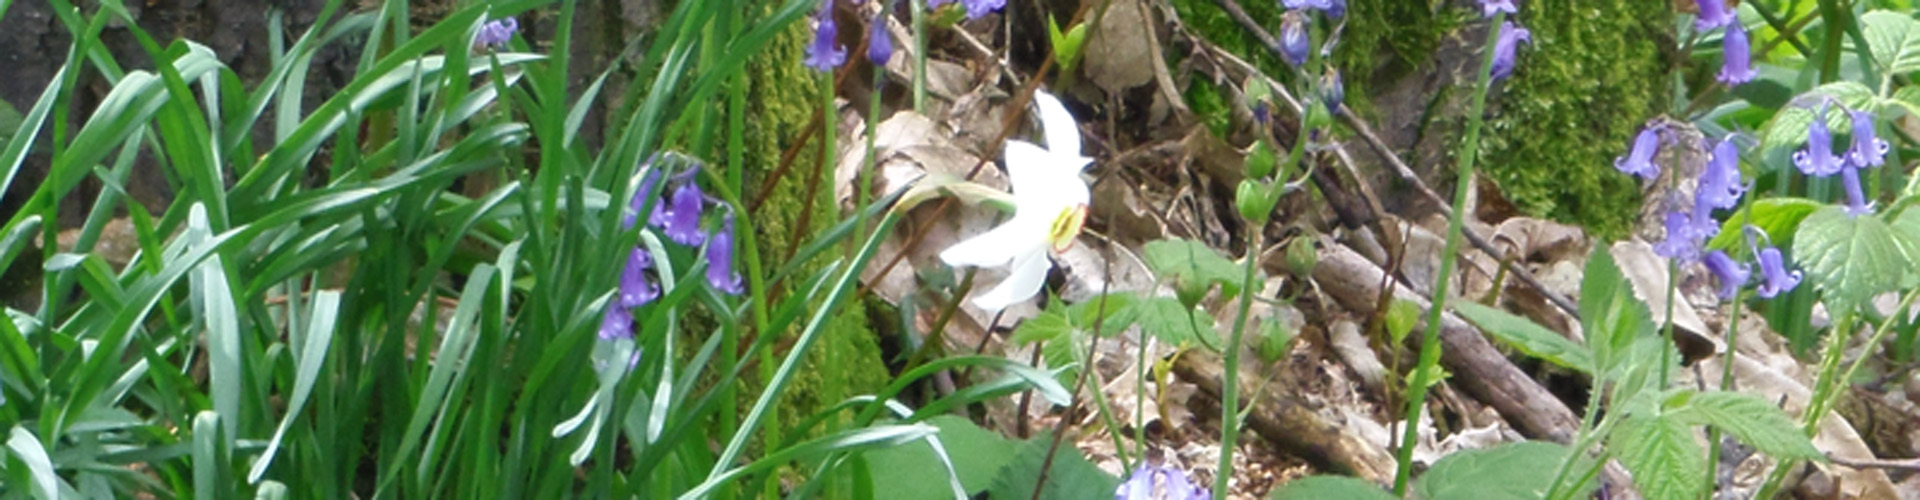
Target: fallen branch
<point x="1477" y="367"/>
<point x="1283" y="418"/>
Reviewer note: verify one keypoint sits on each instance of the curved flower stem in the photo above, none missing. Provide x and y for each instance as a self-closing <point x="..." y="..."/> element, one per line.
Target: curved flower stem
<point x="1430" y="339"/>
<point x="919" y="11"/>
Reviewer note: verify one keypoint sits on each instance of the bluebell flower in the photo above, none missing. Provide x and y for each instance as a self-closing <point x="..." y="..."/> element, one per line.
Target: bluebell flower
<point x="496" y="33"/>
<point x="1856" y="199"/>
<point x="1490" y="7"/>
<point x="1774" y="269"/>
<point x="1868" y="149"/>
<point x="1732" y="275"/>
<point x="1503" y="51"/>
<point x="1817" y="159"/>
<point x="1684" y="235"/>
<point x="825" y="53"/>
<point x="1638" y="161"/>
<point x="1294" y="40"/>
<point x="1720" y="185"/>
<point x="1736" y="55"/>
<point x="879" y="40"/>
<point x="1332" y="92"/>
<point x="681" y="220"/>
<point x="1714" y="14"/>
<point x="635" y="290"/>
<point x="1333" y="8"/>
<point x="617" y="323"/>
<point x="720" y="273"/>
<point x="642" y="199"/>
<point x="1171" y="484"/>
<point x="980" y="8"/>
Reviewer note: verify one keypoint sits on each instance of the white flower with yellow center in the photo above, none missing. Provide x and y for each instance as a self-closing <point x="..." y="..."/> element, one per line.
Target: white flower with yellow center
<point x="1050" y="204"/>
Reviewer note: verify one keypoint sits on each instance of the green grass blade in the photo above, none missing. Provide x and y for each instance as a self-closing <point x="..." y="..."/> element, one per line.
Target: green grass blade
<point x="313" y="353"/>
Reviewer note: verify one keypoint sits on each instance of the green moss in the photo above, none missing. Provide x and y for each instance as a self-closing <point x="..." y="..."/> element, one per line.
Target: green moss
<point x="1383" y="41"/>
<point x="1590" y="79"/>
<point x="781" y="95"/>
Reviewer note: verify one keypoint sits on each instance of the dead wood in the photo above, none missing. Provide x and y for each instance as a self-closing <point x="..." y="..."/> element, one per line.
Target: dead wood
<point x="1477" y="367"/>
<point x="1281" y="416"/>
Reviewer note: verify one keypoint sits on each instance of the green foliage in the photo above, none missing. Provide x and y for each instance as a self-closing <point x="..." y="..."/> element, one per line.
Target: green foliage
<point x="1753" y="420"/>
<point x="978" y="457"/>
<point x="1400" y="319"/>
<point x="1508" y="471"/>
<point x="1852" y="259"/>
<point x="1584" y="86"/>
<point x="1661" y="453"/>
<point x="1527" y="337"/>
<point x="1778" y="217"/>
<point x="1192" y="268"/>
<point x="1894" y="39"/>
<point x="1068" y="475"/>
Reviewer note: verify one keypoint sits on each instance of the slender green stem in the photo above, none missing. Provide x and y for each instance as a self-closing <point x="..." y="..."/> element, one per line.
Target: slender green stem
<point x="1430" y="339"/>
<point x="1230" y="385"/>
<point x="919" y="12"/>
<point x="1666" y="330"/>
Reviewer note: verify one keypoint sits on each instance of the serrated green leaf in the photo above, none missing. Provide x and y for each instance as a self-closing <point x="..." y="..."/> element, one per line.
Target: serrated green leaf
<point x="1528" y="337"/>
<point x="1779" y="217"/>
<point x="1752" y="419"/>
<point x="1851" y="258"/>
<point x="1508" y="471"/>
<point x="1788" y="129"/>
<point x="1173" y="322"/>
<point x="1908" y="98"/>
<point x="1329" y="487"/>
<point x="1661" y="454"/>
<point x="1117" y="309"/>
<point x="1070" y="476"/>
<point x="1894" y="39"/>
<point x="1192" y="262"/>
<point x="1610" y="316"/>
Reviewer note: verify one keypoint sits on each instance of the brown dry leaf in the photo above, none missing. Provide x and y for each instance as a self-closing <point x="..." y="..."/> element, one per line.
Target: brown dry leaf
<point x="1118" y="54"/>
<point x="1648" y="275"/>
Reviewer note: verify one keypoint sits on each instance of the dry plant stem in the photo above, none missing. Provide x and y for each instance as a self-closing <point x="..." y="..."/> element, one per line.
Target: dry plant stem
<point x="1463" y="188"/>
<point x="1905" y="465"/>
<point x="1380" y="148"/>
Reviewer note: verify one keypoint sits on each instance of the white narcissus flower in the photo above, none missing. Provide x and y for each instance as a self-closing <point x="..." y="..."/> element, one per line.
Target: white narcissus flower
<point x="1050" y="203"/>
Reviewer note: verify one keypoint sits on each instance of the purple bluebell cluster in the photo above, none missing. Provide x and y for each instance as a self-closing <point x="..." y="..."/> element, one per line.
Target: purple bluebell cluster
<point x="496" y="33"/>
<point x="1332" y="91"/>
<point x="679" y="217"/>
<point x="1867" y="151"/>
<point x="1170" y="483"/>
<point x="1736" y="50"/>
<point x="1690" y="225"/>
<point x="825" y="53"/>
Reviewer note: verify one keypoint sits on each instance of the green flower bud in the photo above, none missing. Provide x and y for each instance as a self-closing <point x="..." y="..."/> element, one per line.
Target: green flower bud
<point x="1317" y="117"/>
<point x="1254" y="201"/>
<point x="1302" y="257"/>
<point x="1260" y="160"/>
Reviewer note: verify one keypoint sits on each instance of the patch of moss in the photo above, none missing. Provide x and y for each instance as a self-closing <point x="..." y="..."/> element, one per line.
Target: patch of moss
<point x="1590" y="78"/>
<point x="781" y="95"/>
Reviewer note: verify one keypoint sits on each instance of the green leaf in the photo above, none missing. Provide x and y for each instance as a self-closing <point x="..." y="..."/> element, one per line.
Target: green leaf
<point x="1894" y="39"/>
<point x="1400" y="319"/>
<point x="1752" y="419"/>
<point x="1191" y="262"/>
<point x="1118" y="312"/>
<point x="1050" y="325"/>
<point x="1779" y="217"/>
<point x="1329" y="487"/>
<point x="1527" y="336"/>
<point x="1508" y="471"/>
<point x="1070" y="475"/>
<point x="1661" y="454"/>
<point x="977" y="454"/>
<point x="1610" y="316"/>
<point x="1788" y="130"/>
<point x="1173" y="322"/>
<point x="1907" y="98"/>
<point x="28" y="459"/>
<point x="1851" y="258"/>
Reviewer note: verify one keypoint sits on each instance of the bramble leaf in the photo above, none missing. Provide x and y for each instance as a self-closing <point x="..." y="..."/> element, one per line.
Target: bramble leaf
<point x="1851" y="258"/>
<point x="1755" y="421"/>
<point x="1528" y="337"/>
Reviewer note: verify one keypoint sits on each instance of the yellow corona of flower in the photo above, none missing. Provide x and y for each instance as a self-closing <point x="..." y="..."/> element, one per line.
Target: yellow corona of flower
<point x="1050" y="204"/>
